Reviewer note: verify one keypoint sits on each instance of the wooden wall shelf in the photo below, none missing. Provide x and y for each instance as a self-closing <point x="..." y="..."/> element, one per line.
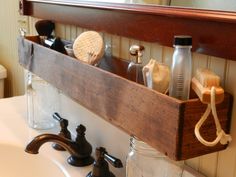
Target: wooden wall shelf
<point x="165" y="123"/>
<point x="213" y="32"/>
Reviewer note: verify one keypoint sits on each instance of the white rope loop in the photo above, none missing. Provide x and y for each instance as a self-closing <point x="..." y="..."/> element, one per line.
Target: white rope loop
<point x="222" y="137"/>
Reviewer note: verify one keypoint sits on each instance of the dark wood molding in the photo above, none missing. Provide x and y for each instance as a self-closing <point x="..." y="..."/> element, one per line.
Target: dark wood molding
<point x="181" y="12"/>
<point x="213" y="32"/>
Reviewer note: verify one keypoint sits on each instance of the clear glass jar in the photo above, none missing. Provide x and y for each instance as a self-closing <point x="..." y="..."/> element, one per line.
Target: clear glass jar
<point x="144" y="161"/>
<point x="42" y="102"/>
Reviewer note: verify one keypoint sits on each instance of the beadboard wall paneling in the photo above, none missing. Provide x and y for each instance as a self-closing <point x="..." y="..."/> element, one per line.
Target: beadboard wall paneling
<point x="221" y="164"/>
<point x="124" y="45"/>
<point x="116" y="46"/>
<point x="199" y="61"/>
<point x="10" y="23"/>
<point x="147" y="53"/>
<point x="156" y="52"/>
<point x="218" y="65"/>
<point x="227" y="159"/>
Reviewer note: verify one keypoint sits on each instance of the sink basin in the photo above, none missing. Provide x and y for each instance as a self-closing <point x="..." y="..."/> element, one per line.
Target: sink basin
<point x="15" y="162"/>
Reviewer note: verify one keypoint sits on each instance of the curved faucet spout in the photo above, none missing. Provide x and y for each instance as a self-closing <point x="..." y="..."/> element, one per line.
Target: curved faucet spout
<point x="38" y="141"/>
<point x="80" y="149"/>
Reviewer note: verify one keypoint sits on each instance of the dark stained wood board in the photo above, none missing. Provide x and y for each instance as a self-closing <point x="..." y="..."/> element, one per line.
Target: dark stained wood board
<point x="208" y="130"/>
<point x="151" y="116"/>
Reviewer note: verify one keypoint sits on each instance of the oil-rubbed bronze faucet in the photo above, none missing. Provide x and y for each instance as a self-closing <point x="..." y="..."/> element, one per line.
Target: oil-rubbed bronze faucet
<point x="80" y="150"/>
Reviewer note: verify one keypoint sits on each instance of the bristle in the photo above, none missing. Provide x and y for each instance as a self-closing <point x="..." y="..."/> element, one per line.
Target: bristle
<point x="44" y="27"/>
<point x="207" y="78"/>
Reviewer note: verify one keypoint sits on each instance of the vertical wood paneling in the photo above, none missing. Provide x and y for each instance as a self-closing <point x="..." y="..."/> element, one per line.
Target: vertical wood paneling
<point x="34" y="29"/>
<point x="124" y="48"/>
<point x="194" y="163"/>
<point x="67" y="32"/>
<point x="156" y="52"/>
<point x="108" y="43"/>
<point x="226" y="163"/>
<point x="167" y="55"/>
<point x="31" y="23"/>
<point x="115" y="45"/>
<point x="199" y="61"/>
<point x="208" y="164"/>
<point x="60" y="30"/>
<point x="147" y="52"/>
<point x="218" y="65"/>
<point x="73" y="33"/>
<point x="79" y="31"/>
<point x="226" y="160"/>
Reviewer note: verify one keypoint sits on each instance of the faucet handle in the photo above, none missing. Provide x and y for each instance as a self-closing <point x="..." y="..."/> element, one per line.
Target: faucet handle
<point x="64" y="132"/>
<point x="101" y="167"/>
<point x="115" y="162"/>
<point x="84" y="147"/>
<point x="102" y="153"/>
<point x="57" y="117"/>
<point x="81" y="129"/>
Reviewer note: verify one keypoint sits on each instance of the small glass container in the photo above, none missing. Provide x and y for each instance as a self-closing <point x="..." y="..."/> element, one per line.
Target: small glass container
<point x="144" y="161"/>
<point x="42" y="102"/>
<point x="69" y="50"/>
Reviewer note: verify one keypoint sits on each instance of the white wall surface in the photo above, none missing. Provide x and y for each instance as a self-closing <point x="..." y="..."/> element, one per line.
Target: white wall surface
<point x="9" y="27"/>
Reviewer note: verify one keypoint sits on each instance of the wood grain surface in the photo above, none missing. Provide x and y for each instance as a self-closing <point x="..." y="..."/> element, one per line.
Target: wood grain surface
<point x="163" y="122"/>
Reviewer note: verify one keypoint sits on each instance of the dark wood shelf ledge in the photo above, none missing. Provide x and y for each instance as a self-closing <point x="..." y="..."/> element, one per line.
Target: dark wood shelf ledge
<point x="165" y="123"/>
<point x="213" y="32"/>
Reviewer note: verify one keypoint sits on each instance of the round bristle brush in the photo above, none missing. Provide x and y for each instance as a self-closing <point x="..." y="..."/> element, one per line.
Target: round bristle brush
<point x="45" y="28"/>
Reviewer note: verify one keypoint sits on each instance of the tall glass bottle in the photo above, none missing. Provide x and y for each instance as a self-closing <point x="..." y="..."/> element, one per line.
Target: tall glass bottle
<point x="144" y="161"/>
<point x="181" y="69"/>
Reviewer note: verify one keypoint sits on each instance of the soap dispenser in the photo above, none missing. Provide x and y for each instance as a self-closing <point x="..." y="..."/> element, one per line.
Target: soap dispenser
<point x="101" y="166"/>
<point x="135" y="67"/>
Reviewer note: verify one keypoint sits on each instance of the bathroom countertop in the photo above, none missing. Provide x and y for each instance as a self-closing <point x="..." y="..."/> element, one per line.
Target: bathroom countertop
<point x="15" y="130"/>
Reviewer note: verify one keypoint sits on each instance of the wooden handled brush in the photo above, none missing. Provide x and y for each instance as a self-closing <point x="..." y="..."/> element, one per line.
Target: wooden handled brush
<point x="206" y="84"/>
<point x="202" y="83"/>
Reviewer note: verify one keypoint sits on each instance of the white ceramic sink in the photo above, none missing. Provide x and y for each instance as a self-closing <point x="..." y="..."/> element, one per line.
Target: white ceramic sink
<point x="15" y="162"/>
<point x="16" y="134"/>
